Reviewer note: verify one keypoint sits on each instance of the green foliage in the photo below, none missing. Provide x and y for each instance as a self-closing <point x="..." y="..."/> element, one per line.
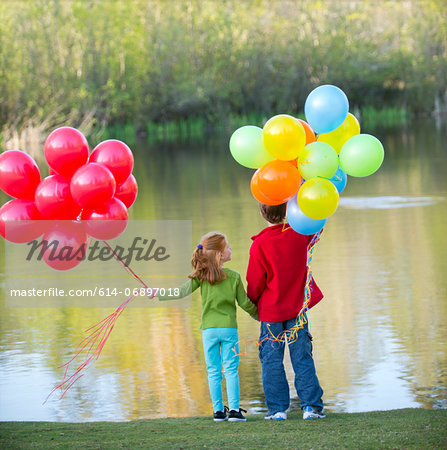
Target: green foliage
<point x="385" y="117"/>
<point x="157" y="61"/>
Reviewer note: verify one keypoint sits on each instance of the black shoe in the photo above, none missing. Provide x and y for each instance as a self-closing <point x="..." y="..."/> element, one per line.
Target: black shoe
<point x="221" y="416"/>
<point x="236" y="416"/>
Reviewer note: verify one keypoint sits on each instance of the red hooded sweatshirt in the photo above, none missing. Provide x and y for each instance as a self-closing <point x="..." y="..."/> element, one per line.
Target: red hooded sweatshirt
<point x="276" y="274"/>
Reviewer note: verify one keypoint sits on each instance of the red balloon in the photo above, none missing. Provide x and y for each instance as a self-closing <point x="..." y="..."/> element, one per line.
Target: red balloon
<point x="108" y="221"/>
<point x="92" y="185"/>
<point x="66" y="149"/>
<point x="65" y="245"/>
<point x="19" y="174"/>
<point x="54" y="200"/>
<point x="127" y="192"/>
<point x="116" y="156"/>
<point x="20" y="221"/>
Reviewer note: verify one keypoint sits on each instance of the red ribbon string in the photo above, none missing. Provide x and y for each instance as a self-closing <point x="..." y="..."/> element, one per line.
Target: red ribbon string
<point x="91" y="346"/>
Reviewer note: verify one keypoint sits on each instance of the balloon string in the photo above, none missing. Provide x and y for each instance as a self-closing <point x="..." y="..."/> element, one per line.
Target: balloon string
<point x="90" y="348"/>
<point x="92" y="345"/>
<point x="126" y="266"/>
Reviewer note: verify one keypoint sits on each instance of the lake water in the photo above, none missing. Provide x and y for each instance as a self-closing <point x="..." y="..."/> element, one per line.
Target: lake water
<point x="379" y="334"/>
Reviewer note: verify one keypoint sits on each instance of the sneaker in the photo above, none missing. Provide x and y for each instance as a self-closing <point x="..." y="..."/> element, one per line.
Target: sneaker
<point x="236" y="416"/>
<point x="310" y="412"/>
<point x="220" y="416"/>
<point x="277" y="416"/>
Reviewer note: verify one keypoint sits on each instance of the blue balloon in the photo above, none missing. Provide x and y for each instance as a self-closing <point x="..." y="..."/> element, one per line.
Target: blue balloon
<point x="301" y="223"/>
<point x="339" y="180"/>
<point x="326" y="108"/>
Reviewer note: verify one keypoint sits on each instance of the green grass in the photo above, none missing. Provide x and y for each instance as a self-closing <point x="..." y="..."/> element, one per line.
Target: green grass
<point x="384" y="117"/>
<point x="406" y="428"/>
<point x="196" y="128"/>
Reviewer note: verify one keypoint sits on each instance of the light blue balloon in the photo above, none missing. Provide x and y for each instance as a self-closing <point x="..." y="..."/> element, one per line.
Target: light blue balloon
<point x="339" y="180"/>
<point x="301" y="223"/>
<point x="326" y="108"/>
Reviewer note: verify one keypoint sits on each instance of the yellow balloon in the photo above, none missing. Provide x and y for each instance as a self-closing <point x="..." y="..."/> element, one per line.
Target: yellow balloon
<point x="318" y="198"/>
<point x="284" y="137"/>
<point x="349" y="128"/>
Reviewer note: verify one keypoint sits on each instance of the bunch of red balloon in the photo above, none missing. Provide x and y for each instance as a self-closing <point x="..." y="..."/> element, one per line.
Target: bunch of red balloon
<point x="84" y="195"/>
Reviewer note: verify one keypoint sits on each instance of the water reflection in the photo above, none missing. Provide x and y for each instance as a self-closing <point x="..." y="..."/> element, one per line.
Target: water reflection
<point x="387" y="202"/>
<point x="379" y="333"/>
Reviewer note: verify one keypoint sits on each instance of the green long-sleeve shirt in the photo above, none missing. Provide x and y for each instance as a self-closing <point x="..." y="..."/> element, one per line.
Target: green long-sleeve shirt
<point x="219" y="300"/>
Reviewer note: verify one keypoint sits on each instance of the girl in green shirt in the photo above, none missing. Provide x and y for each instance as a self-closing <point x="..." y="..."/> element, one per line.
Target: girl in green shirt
<point x="220" y="288"/>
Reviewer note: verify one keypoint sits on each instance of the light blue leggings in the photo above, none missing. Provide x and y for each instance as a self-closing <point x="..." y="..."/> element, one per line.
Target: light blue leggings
<point x="221" y="349"/>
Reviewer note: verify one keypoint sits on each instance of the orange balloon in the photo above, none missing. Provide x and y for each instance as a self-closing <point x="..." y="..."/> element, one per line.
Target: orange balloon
<point x="279" y="180"/>
<point x="294" y="162"/>
<point x="310" y="134"/>
<point x="257" y="194"/>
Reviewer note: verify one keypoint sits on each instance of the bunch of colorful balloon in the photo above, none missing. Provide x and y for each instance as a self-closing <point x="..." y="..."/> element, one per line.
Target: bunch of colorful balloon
<point x="306" y="163"/>
<point x="84" y="195"/>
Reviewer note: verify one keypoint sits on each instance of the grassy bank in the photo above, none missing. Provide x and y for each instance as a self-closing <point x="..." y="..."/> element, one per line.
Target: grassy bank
<point x="406" y="428"/>
<point x="187" y="129"/>
<point x="197" y="128"/>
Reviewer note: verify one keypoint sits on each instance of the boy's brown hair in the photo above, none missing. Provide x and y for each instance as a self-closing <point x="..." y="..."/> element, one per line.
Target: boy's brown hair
<point x="273" y="213"/>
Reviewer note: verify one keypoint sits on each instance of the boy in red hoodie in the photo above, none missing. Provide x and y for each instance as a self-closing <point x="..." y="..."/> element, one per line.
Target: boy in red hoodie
<point x="276" y="278"/>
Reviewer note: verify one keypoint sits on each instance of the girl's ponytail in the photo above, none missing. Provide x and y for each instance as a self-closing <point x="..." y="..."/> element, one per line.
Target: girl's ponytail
<point x="207" y="258"/>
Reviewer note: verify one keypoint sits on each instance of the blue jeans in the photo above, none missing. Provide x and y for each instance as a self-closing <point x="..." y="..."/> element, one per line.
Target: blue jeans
<point x="274" y="381"/>
<point x="221" y="348"/>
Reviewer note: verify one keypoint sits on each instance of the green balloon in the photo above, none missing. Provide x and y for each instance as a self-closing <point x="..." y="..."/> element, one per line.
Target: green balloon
<point x="318" y="159"/>
<point x="247" y="147"/>
<point x="361" y="155"/>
